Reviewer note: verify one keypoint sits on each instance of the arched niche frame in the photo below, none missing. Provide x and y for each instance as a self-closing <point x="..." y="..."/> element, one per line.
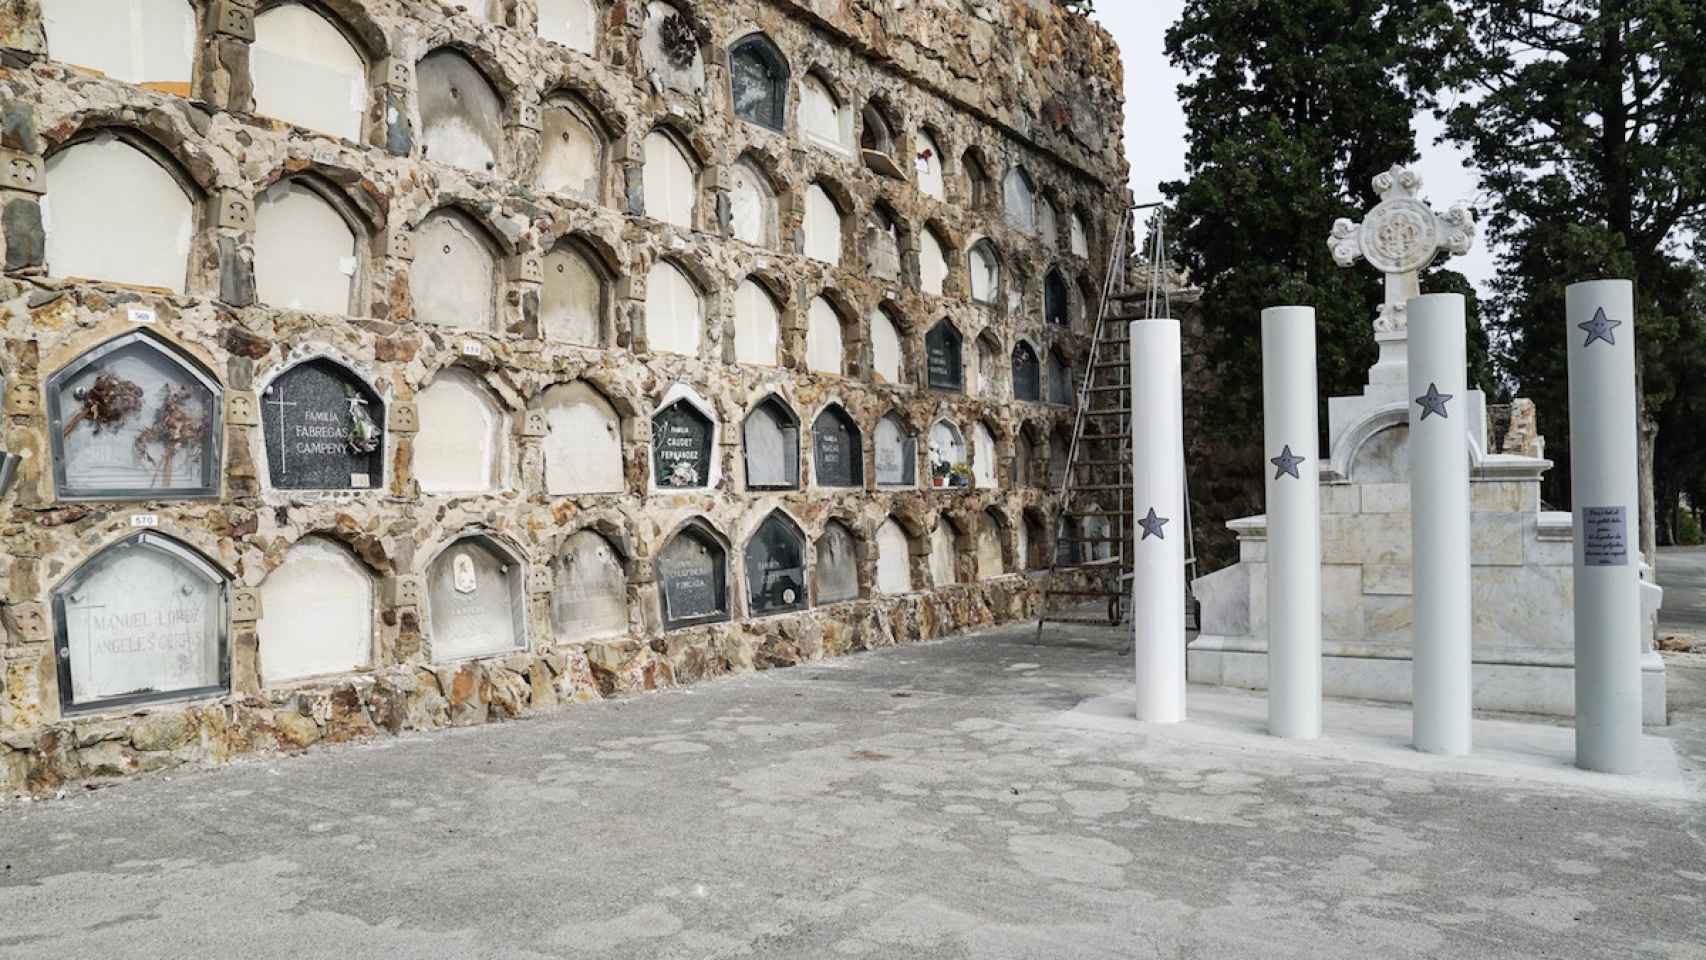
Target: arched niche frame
<point x="576" y="299"/>
<point x="944" y="357"/>
<point x="839" y="555"/>
<point x="575" y="24"/>
<point x="838" y="451"/>
<point x="770" y="439"/>
<point x="323" y="427"/>
<point x="144" y="620"/>
<point x="135" y="418"/>
<point x="775" y="566"/>
<point x="462" y="109"/>
<point x="312" y="64"/>
<point x="672" y="54"/>
<point x="457" y="280"/>
<point x="317" y="610"/>
<point x="693" y="576"/>
<point x="157" y="52"/>
<point x="575" y="147"/>
<point x="591" y="589"/>
<point x="476" y="598"/>
<point x="1377" y="442"/>
<point x="315" y="241"/>
<point x="758" y="82"/>
<point x="686" y="442"/>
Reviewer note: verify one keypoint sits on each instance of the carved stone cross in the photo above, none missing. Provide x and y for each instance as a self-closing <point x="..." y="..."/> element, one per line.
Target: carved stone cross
<point x="1400" y="237"/>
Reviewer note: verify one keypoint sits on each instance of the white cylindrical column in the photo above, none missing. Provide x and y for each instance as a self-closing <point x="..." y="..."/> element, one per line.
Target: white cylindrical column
<point x="1290" y="425"/>
<point x="1158" y="531"/>
<point x="1601" y="333"/>
<point x="1439" y="522"/>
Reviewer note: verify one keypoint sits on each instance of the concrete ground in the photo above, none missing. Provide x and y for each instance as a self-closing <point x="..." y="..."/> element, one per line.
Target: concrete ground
<point x="965" y="799"/>
<point x="1682" y="572"/>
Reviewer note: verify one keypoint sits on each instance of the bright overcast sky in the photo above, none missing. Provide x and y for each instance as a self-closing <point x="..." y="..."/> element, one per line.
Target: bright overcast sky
<point x="1155" y="126"/>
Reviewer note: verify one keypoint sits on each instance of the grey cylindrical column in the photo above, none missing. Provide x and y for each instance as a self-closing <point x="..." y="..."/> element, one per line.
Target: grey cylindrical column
<point x="1158" y="530"/>
<point x="1290" y="426"/>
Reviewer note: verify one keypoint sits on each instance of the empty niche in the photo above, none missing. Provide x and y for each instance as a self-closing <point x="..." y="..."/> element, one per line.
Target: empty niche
<point x="461" y="444"/>
<point x="583" y="443"/>
<point x="143" y="620"/>
<point x="1057" y="299"/>
<point x="461" y="114"/>
<point x="838" y="455"/>
<point x="148" y="246"/>
<point x="1027" y="373"/>
<point x="1033" y="541"/>
<point x="131" y="419"/>
<point x="670" y="184"/>
<point x="1048" y="222"/>
<point x="453" y="280"/>
<point x="1015" y="290"/>
<point x="590" y="599"/>
<point x="944" y="555"/>
<point x="571" y="302"/>
<point x="988" y="365"/>
<point x="776" y="567"/>
<point x="1097" y="533"/>
<point x="692" y="572"/>
<point x="824" y="350"/>
<point x="877" y="137"/>
<point x="824" y="120"/>
<point x="149" y="42"/>
<point x="837" y="569"/>
<point x="572" y="149"/>
<point x="896" y="454"/>
<point x="894" y="559"/>
<point x="1080" y="240"/>
<point x="943" y="360"/>
<point x="1021" y="198"/>
<point x="305" y="251"/>
<point x="684" y="441"/>
<point x="476" y="601"/>
<point x="990" y="561"/>
<point x="753" y="216"/>
<point x="1059" y="449"/>
<point x="822" y="226"/>
<point x="985" y="266"/>
<point x="758" y="82"/>
<point x="316" y="614"/>
<point x="983" y="457"/>
<point x="948" y="465"/>
<point x="882" y="244"/>
<point x="977" y="180"/>
<point x="670" y="50"/>
<point x="932" y="264"/>
<point x="324" y="429"/>
<point x="771" y="436"/>
<point x="931" y="182"/>
<point x="888" y="355"/>
<point x="758" y="325"/>
<point x="572" y="23"/>
<point x="307" y="73"/>
<point x="675" y="311"/>
<point x="1024" y="471"/>
<point x="1059" y="379"/>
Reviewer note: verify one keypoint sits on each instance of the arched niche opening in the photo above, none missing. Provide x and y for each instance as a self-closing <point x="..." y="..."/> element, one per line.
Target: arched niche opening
<point x="753" y="213"/>
<point x="590" y="597"/>
<point x="758" y="82"/>
<point x="888" y="350"/>
<point x="316" y="614"/>
<point x="461" y="113"/>
<point x="882" y="243"/>
<point x="838" y="452"/>
<point x="894" y="559"/>
<point x="693" y="578"/>
<point x="574" y="299"/>
<point x="670" y="181"/>
<point x="949" y="466"/>
<point x="1059" y="451"/>
<point x="877" y="141"/>
<point x="671" y="50"/>
<point x="307" y="252"/>
<point x="984" y="457"/>
<point x="573" y="150"/>
<point x="944" y="361"/>
<point x="462" y="445"/>
<point x="453" y="281"/>
<point x="1057" y="299"/>
<point x="1384" y="457"/>
<point x="323" y="428"/>
<point x="1017" y="284"/>
<point x="1048" y="223"/>
<point x="991" y="560"/>
<point x="306" y="71"/>
<point x="135" y="419"/>
<point x="146" y="42"/>
<point x="572" y="23"/>
<point x="825" y="338"/>
<point x="1027" y="373"/>
<point x="582" y="447"/>
<point x="944" y="554"/>
<point x="932" y="263"/>
<point x="988" y="368"/>
<point x="684" y="446"/>
<point x="824" y="120"/>
<point x="1059" y="379"/>
<point x="142" y="621"/>
<point x="896" y="453"/>
<point x="1024" y="461"/>
<point x="776" y="567"/>
<point x="931" y="181"/>
<point x="1033" y="541"/>
<point x="837" y="567"/>
<point x="758" y="325"/>
<point x="1020" y="193"/>
<point x="87" y="181"/>
<point x="1079" y="237"/>
<point x="476" y="600"/>
<point x="675" y="310"/>
<point x="985" y="263"/>
<point x="977" y="180"/>
<point x="771" y="438"/>
<point x="822" y="226"/>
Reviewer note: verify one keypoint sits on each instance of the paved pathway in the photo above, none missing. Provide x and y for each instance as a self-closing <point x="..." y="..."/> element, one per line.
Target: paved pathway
<point x="1682" y="572"/>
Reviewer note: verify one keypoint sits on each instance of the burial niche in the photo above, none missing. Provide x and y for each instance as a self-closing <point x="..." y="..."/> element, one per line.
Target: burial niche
<point x="1027" y="374"/>
<point x="983" y="457"/>
<point x="837" y="569"/>
<point x="669" y="182"/>
<point x="944" y="554"/>
<point x="670" y="50"/>
<point x="461" y="444"/>
<point x="822" y="226"/>
<point x="977" y="180"/>
<point x="943" y="358"/>
<point x="1059" y="379"/>
<point x="990" y="561"/>
<point x="888" y="354"/>
<point x="572" y="23"/>
<point x="476" y="600"/>
<point x="776" y="567"/>
<point x="948" y="465"/>
<point x="876" y="140"/>
<point x="838" y="458"/>
<point x="132" y="419"/>
<point x="771" y="437"/>
<point x="1024" y="466"/>
<point x="683" y="443"/>
<point x="149" y="246"/>
<point x="316" y="614"/>
<point x="461" y="114"/>
<point x="894" y="559"/>
<point x="882" y="244"/>
<point x="1059" y="450"/>
<point x="307" y="73"/>
<point x="753" y="215"/>
<point x="824" y="351"/>
<point x="675" y="312"/>
<point x="988" y="365"/>
<point x="146" y="42"/>
<point x="931" y="181"/>
<point x="1021" y="196"/>
<point x="824" y="121"/>
<point x="1057" y="299"/>
<point x="1033" y="541"/>
<point x="324" y="429"/>
<point x="453" y="281"/>
<point x="758" y="82"/>
<point x="932" y="264"/>
<point x="758" y="325"/>
<point x="693" y="578"/>
<point x="583" y="441"/>
<point x="143" y="620"/>
<point x="571" y="151"/>
<point x="306" y="253"/>
<point x="896" y="454"/>
<point x="591" y="595"/>
<point x="985" y="272"/>
<point x="1080" y="239"/>
<point x="1048" y="223"/>
<point x="572" y="299"/>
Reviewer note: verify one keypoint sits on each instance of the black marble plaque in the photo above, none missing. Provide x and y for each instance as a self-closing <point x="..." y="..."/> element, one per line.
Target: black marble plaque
<point x="324" y="429"/>
<point x="1027" y="373"/>
<point x="693" y="574"/>
<point x="1605" y="536"/>
<point x="945" y="365"/>
<point x="1056" y="300"/>
<point x="837" y="453"/>
<point x="681" y="447"/>
<point x="776" y="568"/>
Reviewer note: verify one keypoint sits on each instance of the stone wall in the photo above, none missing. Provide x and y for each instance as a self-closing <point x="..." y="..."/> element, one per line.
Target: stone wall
<point x="542" y="224"/>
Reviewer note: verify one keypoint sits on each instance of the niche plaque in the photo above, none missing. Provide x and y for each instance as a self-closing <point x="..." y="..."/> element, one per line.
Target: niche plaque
<point x="591" y="596"/>
<point x="838" y="457"/>
<point x="944" y="364"/>
<point x="475" y="601"/>
<point x="693" y="571"/>
<point x="682" y="447"/>
<point x="776" y="568"/>
<point x="324" y="429"/>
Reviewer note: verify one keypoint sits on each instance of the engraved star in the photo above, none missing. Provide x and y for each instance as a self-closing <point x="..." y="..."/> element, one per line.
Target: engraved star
<point x="1600" y="328"/>
<point x="1286" y="463"/>
<point x="1152" y="526"/>
<point x="1433" y="402"/>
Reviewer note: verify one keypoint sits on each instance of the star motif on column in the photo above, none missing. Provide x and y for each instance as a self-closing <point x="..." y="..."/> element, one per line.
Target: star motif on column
<point x="1286" y="464"/>
<point x="1152" y="526"/>
<point x="1433" y="402"/>
<point x="1600" y="328"/>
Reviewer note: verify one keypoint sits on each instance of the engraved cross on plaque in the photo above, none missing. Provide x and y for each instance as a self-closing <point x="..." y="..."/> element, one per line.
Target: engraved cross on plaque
<point x="275" y="399"/>
<point x="1400" y="237"/>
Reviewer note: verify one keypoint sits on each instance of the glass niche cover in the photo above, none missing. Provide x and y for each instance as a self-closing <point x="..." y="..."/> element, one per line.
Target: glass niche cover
<point x="132" y="420"/>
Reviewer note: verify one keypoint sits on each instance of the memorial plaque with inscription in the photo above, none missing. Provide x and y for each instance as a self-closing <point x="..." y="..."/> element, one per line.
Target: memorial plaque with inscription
<point x="591" y="595"/>
<point x="944" y="363"/>
<point x="474" y="601"/>
<point x="837" y="454"/>
<point x="693" y="573"/>
<point x="324" y="429"/>
<point x="681" y="447"/>
<point x="1605" y="536"/>
<point x="1027" y="373"/>
<point x="896" y="454"/>
<point x="776" y="568"/>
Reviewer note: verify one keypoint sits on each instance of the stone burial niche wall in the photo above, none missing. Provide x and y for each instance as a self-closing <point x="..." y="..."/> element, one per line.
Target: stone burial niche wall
<point x="386" y="365"/>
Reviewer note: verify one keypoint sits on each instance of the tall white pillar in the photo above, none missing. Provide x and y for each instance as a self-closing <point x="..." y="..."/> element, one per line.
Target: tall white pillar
<point x="1290" y="424"/>
<point x="1601" y="333"/>
<point x="1439" y="523"/>
<point x="1158" y="531"/>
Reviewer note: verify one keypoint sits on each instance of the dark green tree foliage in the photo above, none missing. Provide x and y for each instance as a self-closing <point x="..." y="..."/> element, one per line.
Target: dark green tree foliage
<point x="1292" y="108"/>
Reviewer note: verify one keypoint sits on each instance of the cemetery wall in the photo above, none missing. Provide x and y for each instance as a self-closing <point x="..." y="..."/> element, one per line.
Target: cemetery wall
<point x="388" y="365"/>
